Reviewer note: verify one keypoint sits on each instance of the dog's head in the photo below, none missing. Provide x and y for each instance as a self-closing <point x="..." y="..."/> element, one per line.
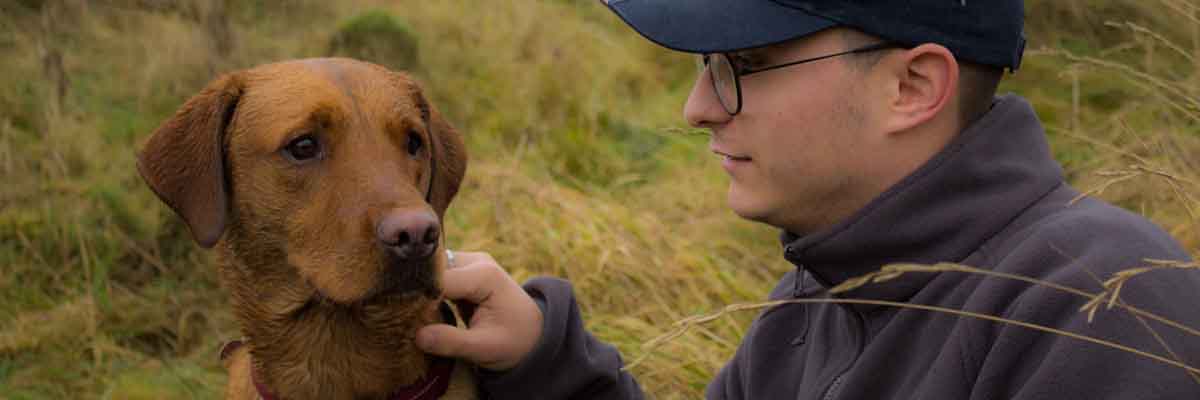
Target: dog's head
<point x="331" y="174"/>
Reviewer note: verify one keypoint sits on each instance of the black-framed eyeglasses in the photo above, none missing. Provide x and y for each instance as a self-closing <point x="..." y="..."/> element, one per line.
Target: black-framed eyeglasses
<point x="726" y="77"/>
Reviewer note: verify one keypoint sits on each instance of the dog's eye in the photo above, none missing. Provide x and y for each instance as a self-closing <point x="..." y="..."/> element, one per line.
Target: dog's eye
<point x="303" y="148"/>
<point x="414" y="143"/>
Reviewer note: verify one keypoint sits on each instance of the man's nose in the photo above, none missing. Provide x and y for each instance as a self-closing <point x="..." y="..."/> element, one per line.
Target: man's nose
<point x="703" y="108"/>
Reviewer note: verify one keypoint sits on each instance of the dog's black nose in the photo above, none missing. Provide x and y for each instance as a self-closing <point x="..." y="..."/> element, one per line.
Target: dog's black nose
<point x="409" y="235"/>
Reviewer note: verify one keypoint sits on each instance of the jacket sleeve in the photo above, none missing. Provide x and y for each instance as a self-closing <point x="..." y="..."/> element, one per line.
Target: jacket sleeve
<point x="568" y="362"/>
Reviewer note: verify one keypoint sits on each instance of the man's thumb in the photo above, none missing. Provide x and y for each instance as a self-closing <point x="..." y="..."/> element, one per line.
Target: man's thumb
<point x="443" y="340"/>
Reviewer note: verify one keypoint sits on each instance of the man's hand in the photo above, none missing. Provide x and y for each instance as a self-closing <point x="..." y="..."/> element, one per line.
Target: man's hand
<point x="505" y="325"/>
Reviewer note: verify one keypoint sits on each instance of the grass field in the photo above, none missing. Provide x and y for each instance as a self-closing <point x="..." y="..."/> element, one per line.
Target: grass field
<point x="581" y="168"/>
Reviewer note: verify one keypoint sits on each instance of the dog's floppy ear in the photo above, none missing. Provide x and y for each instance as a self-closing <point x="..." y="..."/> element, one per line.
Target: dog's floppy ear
<point x="450" y="153"/>
<point x="184" y="162"/>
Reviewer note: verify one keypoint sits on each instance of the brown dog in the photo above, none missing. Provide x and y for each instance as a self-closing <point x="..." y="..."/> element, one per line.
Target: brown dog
<point x="322" y="184"/>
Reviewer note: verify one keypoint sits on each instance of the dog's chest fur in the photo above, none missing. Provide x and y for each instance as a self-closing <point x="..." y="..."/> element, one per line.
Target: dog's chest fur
<point x="304" y="349"/>
<point x="241" y="384"/>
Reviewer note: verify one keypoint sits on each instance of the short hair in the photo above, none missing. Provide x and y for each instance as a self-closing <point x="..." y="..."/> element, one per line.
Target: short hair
<point x="977" y="83"/>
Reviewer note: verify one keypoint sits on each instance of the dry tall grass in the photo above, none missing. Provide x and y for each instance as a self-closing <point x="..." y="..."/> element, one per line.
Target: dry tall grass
<point x="577" y="171"/>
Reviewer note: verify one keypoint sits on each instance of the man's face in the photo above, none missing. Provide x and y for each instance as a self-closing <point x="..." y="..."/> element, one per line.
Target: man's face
<point x="794" y="158"/>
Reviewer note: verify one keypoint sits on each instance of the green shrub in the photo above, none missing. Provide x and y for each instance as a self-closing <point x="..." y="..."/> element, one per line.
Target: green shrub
<point x="379" y="37"/>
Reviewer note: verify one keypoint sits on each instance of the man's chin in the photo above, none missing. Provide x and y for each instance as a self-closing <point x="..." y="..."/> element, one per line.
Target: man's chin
<point x="747" y="210"/>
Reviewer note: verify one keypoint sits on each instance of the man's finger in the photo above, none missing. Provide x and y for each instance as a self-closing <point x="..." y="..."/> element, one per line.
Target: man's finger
<point x="481" y="347"/>
<point x="472" y="283"/>
<point x="466" y="258"/>
<point x="443" y="340"/>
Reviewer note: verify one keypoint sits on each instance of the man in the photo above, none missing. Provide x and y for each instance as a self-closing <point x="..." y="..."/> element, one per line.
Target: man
<point x="868" y="132"/>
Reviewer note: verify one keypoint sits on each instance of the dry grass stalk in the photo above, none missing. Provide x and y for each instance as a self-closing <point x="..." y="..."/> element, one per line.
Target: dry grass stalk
<point x="1153" y="332"/>
<point x="1184" y="8"/>
<point x="1113" y="285"/>
<point x="1136" y="171"/>
<point x="1176" y="183"/>
<point x="889" y="272"/>
<point x="1157" y="37"/>
<point x="682" y="326"/>
<point x="1178" y="93"/>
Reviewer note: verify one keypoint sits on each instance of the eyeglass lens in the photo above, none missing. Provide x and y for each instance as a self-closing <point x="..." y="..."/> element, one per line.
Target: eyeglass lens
<point x="724" y="81"/>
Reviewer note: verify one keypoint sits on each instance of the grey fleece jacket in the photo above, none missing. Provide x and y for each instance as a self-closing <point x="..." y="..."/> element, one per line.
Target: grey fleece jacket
<point x="994" y="199"/>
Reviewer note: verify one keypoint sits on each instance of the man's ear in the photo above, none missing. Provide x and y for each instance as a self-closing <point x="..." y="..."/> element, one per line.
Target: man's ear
<point x="450" y="156"/>
<point x="184" y="162"/>
<point x="927" y="83"/>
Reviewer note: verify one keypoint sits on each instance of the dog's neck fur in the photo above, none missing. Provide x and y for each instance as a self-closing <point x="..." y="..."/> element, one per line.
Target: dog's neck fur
<point x="315" y="349"/>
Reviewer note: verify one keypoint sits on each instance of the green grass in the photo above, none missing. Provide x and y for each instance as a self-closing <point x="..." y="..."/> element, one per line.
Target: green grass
<point x="102" y="294"/>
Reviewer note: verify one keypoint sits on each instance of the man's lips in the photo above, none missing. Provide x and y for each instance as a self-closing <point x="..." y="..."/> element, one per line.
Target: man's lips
<point x="729" y="156"/>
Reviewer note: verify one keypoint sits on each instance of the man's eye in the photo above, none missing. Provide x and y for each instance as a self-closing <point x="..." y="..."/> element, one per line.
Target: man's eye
<point x="735" y="60"/>
<point x="743" y="62"/>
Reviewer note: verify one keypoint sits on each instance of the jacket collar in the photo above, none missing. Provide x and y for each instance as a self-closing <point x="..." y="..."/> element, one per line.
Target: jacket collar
<point x="942" y="212"/>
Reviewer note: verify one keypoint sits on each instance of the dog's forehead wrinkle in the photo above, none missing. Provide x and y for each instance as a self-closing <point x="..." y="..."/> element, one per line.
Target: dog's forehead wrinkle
<point x="271" y="117"/>
<point x="396" y="93"/>
<point x="370" y="90"/>
<point x="352" y="78"/>
<point x="339" y="79"/>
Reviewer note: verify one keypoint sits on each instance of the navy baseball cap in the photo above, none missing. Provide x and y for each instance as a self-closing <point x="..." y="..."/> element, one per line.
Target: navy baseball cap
<point x="986" y="32"/>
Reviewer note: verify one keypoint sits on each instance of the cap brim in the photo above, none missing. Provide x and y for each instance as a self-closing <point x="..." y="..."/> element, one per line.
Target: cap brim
<point x="716" y="26"/>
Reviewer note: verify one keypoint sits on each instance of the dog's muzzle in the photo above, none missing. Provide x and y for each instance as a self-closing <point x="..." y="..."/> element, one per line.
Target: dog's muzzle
<point x="409" y="276"/>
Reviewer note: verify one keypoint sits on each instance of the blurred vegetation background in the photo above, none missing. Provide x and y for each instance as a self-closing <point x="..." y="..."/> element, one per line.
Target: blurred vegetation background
<point x="582" y="166"/>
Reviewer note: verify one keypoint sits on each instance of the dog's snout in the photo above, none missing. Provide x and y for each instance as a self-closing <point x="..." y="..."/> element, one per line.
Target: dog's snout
<point x="409" y="234"/>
